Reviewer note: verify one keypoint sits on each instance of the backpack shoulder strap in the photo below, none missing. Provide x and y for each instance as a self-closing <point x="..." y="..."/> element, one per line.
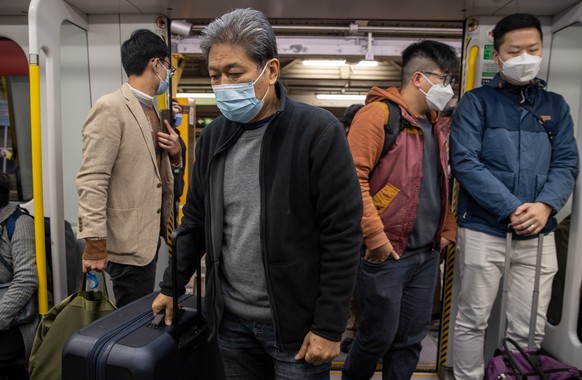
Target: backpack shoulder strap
<point x="392" y="127"/>
<point x="10" y="225"/>
<point x="11" y="221"/>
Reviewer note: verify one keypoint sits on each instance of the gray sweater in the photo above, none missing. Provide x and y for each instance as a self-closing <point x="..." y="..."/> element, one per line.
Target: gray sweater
<point x="243" y="273"/>
<point x="20" y="253"/>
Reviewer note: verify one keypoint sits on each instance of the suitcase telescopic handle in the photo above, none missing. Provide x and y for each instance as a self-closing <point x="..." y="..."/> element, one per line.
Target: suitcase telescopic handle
<point x="176" y="236"/>
<point x="505" y="288"/>
<point x="536" y="293"/>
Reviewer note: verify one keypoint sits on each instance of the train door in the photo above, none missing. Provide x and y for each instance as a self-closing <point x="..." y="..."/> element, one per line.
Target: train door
<point x="564" y="328"/>
<point x="60" y="99"/>
<point x="74" y="59"/>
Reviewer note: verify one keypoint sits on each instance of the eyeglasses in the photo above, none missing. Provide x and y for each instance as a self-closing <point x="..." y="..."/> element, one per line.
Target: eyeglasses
<point x="447" y="78"/>
<point x="171" y="68"/>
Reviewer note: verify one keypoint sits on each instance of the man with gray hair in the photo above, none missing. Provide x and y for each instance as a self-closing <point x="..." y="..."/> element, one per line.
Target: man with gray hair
<point x="276" y="201"/>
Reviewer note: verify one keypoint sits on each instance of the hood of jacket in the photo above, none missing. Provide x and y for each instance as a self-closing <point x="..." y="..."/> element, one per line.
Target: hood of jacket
<point x="377" y="94"/>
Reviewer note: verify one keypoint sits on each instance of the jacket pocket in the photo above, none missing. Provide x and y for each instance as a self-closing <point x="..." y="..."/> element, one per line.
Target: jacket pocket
<point x="122" y="230"/>
<point x="506" y="178"/>
<point x="384" y="197"/>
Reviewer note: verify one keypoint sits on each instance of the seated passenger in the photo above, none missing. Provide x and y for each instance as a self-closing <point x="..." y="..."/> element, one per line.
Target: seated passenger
<point x="17" y="268"/>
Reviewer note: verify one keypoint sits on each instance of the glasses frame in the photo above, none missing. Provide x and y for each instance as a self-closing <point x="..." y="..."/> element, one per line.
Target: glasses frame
<point x="448" y="79"/>
<point x="171" y="68"/>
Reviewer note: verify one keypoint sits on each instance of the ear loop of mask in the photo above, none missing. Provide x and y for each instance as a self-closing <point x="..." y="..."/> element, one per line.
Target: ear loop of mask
<point x="421" y="90"/>
<point x="167" y="70"/>
<point x="260" y="75"/>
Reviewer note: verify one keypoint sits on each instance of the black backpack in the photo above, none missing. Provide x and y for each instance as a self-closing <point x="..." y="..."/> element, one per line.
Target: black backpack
<point x="392" y="128"/>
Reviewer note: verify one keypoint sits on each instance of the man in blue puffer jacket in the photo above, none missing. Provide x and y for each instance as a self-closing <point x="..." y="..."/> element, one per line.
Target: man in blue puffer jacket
<point x="513" y="169"/>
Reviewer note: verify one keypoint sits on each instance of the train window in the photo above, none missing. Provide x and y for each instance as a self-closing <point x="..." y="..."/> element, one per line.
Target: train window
<point x="75" y="105"/>
<point x="565" y="79"/>
<point x="15" y="145"/>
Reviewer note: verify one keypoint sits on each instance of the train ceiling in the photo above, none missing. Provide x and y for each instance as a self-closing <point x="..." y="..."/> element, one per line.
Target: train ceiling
<point x="428" y="10"/>
<point x="306" y="23"/>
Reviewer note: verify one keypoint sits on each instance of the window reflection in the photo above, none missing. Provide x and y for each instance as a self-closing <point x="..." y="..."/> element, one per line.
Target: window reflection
<point x="15" y="145"/>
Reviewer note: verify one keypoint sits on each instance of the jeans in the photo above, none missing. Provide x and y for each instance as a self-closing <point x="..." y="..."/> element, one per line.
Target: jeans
<point x="482" y="258"/>
<point x="396" y="303"/>
<point x="248" y="352"/>
<point x="131" y="282"/>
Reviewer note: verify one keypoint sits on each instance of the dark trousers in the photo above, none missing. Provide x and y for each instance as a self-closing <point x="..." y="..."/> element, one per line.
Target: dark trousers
<point x="131" y="282"/>
<point x="12" y="355"/>
<point x="396" y="300"/>
<point x="249" y="352"/>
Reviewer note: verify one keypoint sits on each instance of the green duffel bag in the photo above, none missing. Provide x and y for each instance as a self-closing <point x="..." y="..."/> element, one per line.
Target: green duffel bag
<point x="62" y="321"/>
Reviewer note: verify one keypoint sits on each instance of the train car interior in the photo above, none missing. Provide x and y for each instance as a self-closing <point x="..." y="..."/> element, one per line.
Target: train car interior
<point x="57" y="57"/>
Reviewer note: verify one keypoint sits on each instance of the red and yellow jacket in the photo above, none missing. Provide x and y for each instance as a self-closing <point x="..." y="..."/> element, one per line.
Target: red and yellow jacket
<point x="391" y="196"/>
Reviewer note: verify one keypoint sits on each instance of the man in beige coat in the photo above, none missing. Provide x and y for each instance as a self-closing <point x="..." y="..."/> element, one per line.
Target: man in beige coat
<point x="125" y="181"/>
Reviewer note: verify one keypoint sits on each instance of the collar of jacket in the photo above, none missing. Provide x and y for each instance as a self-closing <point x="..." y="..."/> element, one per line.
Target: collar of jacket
<point x="281" y="92"/>
<point x="499" y="82"/>
<point x="515" y="91"/>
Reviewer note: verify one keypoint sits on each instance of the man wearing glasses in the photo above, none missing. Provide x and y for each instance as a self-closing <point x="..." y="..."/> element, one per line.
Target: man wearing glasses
<point x="406" y="219"/>
<point x="125" y="182"/>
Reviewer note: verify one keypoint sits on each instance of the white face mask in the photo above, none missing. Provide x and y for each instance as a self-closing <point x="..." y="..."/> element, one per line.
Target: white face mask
<point x="521" y="69"/>
<point x="438" y="95"/>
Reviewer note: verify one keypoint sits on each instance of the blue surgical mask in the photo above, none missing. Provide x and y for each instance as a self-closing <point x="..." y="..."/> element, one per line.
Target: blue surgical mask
<point x="178" y="120"/>
<point x="238" y="102"/>
<point x="164" y="84"/>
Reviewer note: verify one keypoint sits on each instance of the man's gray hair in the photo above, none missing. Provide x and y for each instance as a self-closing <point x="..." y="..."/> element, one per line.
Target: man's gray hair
<point x="247" y="28"/>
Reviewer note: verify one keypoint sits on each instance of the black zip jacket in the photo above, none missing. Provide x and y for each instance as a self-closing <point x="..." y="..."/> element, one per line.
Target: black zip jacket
<point x="311" y="212"/>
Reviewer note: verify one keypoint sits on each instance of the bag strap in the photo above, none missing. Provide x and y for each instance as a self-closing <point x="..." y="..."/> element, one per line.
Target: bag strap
<point x="392" y="127"/>
<point x="525" y="355"/>
<point x="10" y="222"/>
<point x="10" y="225"/>
<point x="529" y="108"/>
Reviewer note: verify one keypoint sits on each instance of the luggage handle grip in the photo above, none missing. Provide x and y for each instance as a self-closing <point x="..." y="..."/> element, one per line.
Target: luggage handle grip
<point x="526" y="356"/>
<point x="158" y="319"/>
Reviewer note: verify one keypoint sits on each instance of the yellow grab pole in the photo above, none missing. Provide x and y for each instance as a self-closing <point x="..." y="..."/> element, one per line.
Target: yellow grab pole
<point x="37" y="183"/>
<point x="471" y="68"/>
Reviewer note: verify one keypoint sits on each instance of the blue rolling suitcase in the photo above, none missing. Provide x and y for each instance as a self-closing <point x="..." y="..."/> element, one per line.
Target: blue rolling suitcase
<point x="129" y="344"/>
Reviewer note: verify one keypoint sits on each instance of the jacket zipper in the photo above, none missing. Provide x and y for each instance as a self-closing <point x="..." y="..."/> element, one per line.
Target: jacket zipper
<point x="97" y="351"/>
<point x="263" y="236"/>
<point x="227" y="144"/>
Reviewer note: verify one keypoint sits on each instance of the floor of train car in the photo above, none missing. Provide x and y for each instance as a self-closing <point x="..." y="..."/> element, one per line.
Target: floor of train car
<point x="336" y="375"/>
